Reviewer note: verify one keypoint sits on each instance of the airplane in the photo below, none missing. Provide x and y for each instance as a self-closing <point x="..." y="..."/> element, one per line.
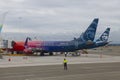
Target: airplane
<point x="57" y="46"/>
<point x="67" y="46"/>
<point x="100" y="42"/>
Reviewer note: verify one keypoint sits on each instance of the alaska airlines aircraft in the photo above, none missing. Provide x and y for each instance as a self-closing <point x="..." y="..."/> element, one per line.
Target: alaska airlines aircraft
<point x="57" y="46"/>
<point x="63" y="46"/>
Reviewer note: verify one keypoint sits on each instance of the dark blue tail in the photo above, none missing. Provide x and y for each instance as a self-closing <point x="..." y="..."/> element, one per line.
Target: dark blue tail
<point x="104" y="37"/>
<point x="90" y="32"/>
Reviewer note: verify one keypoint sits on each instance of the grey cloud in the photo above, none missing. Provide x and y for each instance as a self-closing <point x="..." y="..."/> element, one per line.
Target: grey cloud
<point x="55" y="17"/>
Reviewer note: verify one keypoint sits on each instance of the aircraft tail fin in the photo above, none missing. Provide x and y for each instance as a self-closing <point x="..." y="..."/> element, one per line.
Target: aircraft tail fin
<point x="2" y="20"/>
<point x="90" y="32"/>
<point x="26" y="42"/>
<point x="104" y="37"/>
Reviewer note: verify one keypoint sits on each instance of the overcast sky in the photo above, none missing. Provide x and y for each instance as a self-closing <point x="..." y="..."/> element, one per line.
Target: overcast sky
<point x="59" y="19"/>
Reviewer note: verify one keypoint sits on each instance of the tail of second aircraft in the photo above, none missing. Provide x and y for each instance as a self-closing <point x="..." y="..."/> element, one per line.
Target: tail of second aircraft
<point x="104" y="37"/>
<point x="90" y="32"/>
<point x="2" y="20"/>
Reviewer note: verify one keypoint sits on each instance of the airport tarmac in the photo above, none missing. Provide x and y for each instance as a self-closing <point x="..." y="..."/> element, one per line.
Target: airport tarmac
<point x="18" y="61"/>
<point x="98" y="65"/>
<point x="91" y="71"/>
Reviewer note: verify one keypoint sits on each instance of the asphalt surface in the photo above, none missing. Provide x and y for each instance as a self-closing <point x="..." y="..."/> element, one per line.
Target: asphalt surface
<point x="19" y="61"/>
<point x="90" y="71"/>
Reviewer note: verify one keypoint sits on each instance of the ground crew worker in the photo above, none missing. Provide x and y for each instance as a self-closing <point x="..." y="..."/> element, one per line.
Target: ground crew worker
<point x="65" y="64"/>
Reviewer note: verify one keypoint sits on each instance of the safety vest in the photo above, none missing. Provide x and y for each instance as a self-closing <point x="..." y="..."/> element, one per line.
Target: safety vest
<point x="65" y="61"/>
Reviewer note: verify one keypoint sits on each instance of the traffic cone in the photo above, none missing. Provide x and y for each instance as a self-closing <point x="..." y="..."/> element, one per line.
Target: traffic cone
<point x="9" y="59"/>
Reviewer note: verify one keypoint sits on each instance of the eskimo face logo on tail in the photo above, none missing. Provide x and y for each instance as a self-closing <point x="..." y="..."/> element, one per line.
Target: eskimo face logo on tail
<point x="89" y="35"/>
<point x="104" y="37"/>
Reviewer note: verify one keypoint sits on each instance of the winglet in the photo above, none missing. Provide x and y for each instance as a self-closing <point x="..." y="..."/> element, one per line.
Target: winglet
<point x="26" y="42"/>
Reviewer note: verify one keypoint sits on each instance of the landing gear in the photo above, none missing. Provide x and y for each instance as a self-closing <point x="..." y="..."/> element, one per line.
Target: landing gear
<point x="51" y="53"/>
<point x="42" y="54"/>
